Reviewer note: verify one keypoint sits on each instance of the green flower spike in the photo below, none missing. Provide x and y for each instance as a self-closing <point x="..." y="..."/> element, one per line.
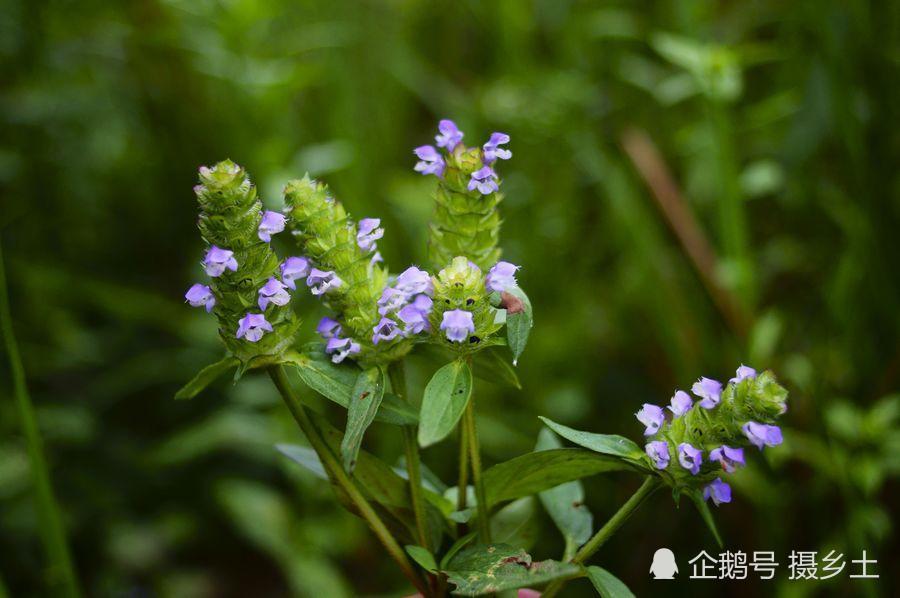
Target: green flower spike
<point x="459" y="290"/>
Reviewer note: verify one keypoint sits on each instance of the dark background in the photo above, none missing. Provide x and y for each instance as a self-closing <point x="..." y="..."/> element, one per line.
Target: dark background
<point x="777" y="122"/>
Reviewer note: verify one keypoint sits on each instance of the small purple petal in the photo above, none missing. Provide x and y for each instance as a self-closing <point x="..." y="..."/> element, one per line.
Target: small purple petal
<point x="457" y="325"/>
<point x="391" y="300"/>
<point x="341" y="348"/>
<point x="658" y="451"/>
<point x="414" y="320"/>
<point x="430" y="161"/>
<point x="217" y="260"/>
<point x="690" y="457"/>
<point x="501" y="277"/>
<point x="485" y="180"/>
<point x="709" y="390"/>
<point x="275" y="292"/>
<point x="491" y="150"/>
<point x="293" y="268"/>
<point x="743" y="373"/>
<point x="385" y="330"/>
<point x="369" y="232"/>
<point x="718" y="491"/>
<point x="652" y="417"/>
<point x="252" y="327"/>
<point x="761" y="435"/>
<point x="730" y="458"/>
<point x="320" y="282"/>
<point x="270" y="224"/>
<point x="681" y="403"/>
<point x="328" y="328"/>
<point x="449" y="135"/>
<point x="414" y="281"/>
<point x="200" y="295"/>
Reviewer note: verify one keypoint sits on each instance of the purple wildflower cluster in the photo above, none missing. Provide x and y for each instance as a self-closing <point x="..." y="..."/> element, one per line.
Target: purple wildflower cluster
<point x="689" y="457"/>
<point x="449" y="137"/>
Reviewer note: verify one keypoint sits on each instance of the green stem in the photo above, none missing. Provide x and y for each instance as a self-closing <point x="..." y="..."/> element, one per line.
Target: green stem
<point x="471" y="433"/>
<point x="462" y="486"/>
<point x="339" y="476"/>
<point x="397" y="376"/>
<point x="609" y="528"/>
<point x="61" y="573"/>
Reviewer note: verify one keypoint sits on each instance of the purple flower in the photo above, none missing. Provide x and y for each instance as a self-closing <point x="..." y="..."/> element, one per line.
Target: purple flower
<point x="369" y="232"/>
<point x="492" y="150"/>
<point x="293" y="268"/>
<point x="217" y="260"/>
<point x="271" y="223"/>
<point x="761" y="435"/>
<point x="449" y="136"/>
<point x="414" y="320"/>
<point x="730" y="458"/>
<point x="658" y="451"/>
<point x="376" y="259"/>
<point x="329" y="328"/>
<point x="485" y="180"/>
<point x="414" y="281"/>
<point x="681" y="403"/>
<point x="252" y="327"/>
<point x="274" y="292"/>
<point x="652" y="417"/>
<point x="719" y="491"/>
<point x="709" y="390"/>
<point x="457" y="325"/>
<point x="501" y="276"/>
<point x="391" y="300"/>
<point x="320" y="282"/>
<point x="430" y="161"/>
<point x="423" y="303"/>
<point x="385" y="330"/>
<point x="743" y="373"/>
<point x="690" y="457"/>
<point x="340" y="348"/>
<point x="200" y="295"/>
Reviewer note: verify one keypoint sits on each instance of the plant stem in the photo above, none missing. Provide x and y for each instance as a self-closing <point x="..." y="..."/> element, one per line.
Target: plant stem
<point x="397" y="375"/>
<point x="61" y="573"/>
<point x="471" y="433"/>
<point x="339" y="476"/>
<point x="462" y="486"/>
<point x="609" y="528"/>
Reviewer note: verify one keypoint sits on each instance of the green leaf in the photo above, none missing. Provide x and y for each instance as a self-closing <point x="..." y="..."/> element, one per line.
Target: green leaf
<point x="608" y="444"/>
<point x="206" y="376"/>
<point x="493" y="568"/>
<point x="535" y="472"/>
<point x="607" y="584"/>
<point x="518" y="325"/>
<point x="366" y="398"/>
<point x="304" y="456"/>
<point x="423" y="557"/>
<point x="516" y="524"/>
<point x="457" y="546"/>
<point x="492" y="366"/>
<point x="706" y="515"/>
<point x="445" y="399"/>
<point x="565" y="503"/>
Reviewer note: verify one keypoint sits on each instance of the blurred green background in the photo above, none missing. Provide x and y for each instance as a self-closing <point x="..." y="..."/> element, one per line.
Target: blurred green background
<point x="694" y="184"/>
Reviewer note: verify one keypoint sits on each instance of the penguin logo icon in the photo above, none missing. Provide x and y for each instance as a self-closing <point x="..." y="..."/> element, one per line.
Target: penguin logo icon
<point x="664" y="565"/>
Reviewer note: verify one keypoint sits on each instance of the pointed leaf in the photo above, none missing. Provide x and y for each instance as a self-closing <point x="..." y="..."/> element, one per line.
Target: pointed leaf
<point x="493" y="568"/>
<point x="445" y="399"/>
<point x="304" y="456"/>
<point x="607" y="584"/>
<point x="518" y="325"/>
<point x="457" y="546"/>
<point x="206" y="376"/>
<point x="565" y="503"/>
<point x="608" y="444"/>
<point x="516" y="524"/>
<point x="422" y="556"/>
<point x="366" y="398"/>
<point x="491" y="365"/>
<point x="706" y="515"/>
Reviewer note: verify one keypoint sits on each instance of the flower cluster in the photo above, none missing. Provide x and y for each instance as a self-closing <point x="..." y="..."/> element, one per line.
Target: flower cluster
<point x="243" y="269"/>
<point x="719" y="425"/>
<point x="466" y="221"/>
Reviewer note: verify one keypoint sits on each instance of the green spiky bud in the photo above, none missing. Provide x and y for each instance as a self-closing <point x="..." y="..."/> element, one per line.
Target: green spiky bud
<point x="460" y="287"/>
<point x="230" y="214"/>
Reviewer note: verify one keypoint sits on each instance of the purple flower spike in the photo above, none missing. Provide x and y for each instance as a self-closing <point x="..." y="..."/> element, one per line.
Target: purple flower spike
<point x="501" y="277"/>
<point x="761" y="435"/>
<point x="652" y="417"/>
<point x="341" y="348"/>
<point x="730" y="458"/>
<point x="200" y="295"/>
<point x="217" y="260"/>
<point x="658" y="451"/>
<point x="369" y="232"/>
<point x="275" y="292"/>
<point x="391" y="300"/>
<point x="430" y="161"/>
<point x="293" y="268"/>
<point x="414" y="281"/>
<point x="709" y="390"/>
<point x="690" y="457"/>
<point x="485" y="180"/>
<point x="681" y="403"/>
<point x="718" y="491"/>
<point x="320" y="282"/>
<point x="329" y="328"/>
<point x="385" y="330"/>
<point x="272" y="223"/>
<point x="743" y="373"/>
<point x="414" y="320"/>
<point x="450" y="136"/>
<point x="457" y="325"/>
<point x="492" y="151"/>
<point x="252" y="327"/>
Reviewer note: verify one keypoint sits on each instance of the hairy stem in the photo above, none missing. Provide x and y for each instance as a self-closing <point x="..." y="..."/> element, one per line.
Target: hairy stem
<point x="339" y="476"/>
<point x="397" y="376"/>
<point x="609" y="528"/>
<point x="61" y="573"/>
<point x="471" y="433"/>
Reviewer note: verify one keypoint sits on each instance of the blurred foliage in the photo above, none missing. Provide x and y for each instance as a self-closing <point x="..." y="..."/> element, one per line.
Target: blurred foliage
<point x="778" y="121"/>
